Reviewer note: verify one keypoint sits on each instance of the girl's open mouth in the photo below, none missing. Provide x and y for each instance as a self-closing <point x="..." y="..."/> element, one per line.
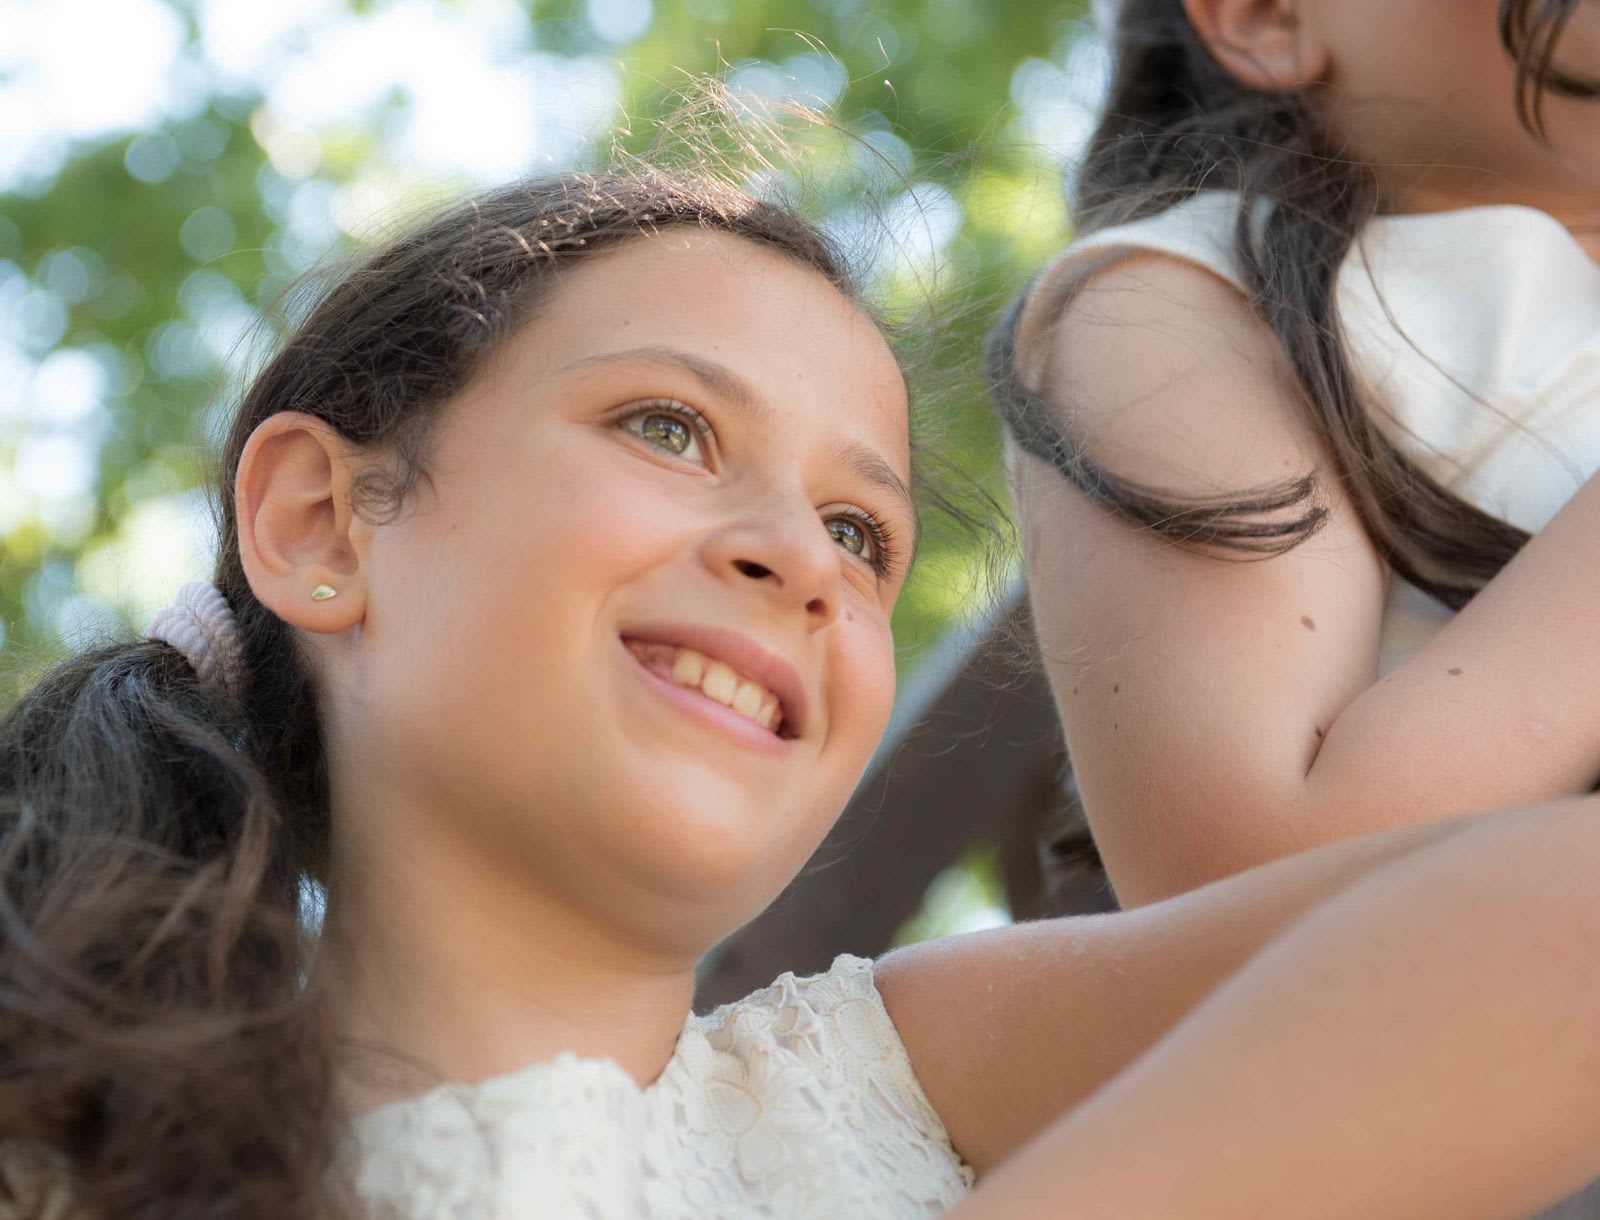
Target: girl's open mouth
<point x="707" y="679"/>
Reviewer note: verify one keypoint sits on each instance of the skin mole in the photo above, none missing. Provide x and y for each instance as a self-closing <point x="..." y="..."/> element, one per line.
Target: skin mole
<point x="1455" y="673"/>
<point x="1308" y="622"/>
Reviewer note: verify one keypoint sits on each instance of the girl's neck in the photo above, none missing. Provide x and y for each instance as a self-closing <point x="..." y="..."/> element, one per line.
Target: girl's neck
<point x="473" y="973"/>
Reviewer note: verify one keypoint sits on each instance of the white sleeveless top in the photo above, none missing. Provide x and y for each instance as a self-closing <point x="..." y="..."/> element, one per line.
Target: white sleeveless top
<point x="798" y="1101"/>
<point x="1477" y="336"/>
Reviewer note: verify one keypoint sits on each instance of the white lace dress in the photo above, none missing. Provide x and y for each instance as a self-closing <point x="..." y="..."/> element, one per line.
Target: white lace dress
<point x="798" y="1101"/>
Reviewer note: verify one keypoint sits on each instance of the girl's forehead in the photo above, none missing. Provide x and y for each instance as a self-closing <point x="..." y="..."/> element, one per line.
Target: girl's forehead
<point x="752" y="323"/>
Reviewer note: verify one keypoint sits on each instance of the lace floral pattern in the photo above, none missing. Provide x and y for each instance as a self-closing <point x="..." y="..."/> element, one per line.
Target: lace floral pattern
<point x="796" y="1102"/>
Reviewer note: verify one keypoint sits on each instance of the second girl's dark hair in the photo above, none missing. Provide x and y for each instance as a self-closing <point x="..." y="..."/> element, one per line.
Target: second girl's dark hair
<point x="162" y="1049"/>
<point x="1176" y="122"/>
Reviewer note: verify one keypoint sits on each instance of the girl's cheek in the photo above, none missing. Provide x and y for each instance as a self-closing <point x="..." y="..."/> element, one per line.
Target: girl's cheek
<point x="867" y="665"/>
<point x="599" y="524"/>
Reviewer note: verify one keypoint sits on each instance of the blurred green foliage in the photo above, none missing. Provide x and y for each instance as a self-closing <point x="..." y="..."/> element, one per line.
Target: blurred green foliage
<point x="133" y="268"/>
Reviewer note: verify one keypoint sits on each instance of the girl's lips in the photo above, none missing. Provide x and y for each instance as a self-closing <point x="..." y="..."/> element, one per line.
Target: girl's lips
<point x="713" y="714"/>
<point x="741" y="653"/>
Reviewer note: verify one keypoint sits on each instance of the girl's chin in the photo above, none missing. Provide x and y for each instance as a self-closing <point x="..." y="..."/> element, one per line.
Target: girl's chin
<point x="709" y="839"/>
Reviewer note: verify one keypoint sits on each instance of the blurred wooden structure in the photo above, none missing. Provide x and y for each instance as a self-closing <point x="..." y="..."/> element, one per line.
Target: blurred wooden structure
<point x="973" y="753"/>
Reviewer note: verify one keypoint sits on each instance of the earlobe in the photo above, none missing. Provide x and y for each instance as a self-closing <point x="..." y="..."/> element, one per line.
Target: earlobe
<point x="298" y="534"/>
<point x="1268" y="45"/>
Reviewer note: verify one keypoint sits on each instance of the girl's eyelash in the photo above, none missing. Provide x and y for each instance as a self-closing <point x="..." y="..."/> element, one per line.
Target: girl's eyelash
<point x="885" y="550"/>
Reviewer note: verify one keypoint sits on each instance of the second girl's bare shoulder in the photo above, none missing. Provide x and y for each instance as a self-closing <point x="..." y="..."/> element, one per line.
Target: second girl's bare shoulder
<point x="1165" y="371"/>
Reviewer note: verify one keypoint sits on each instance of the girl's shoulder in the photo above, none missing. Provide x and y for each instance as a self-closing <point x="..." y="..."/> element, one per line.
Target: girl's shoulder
<point x="1475" y="331"/>
<point x="1132" y="282"/>
<point x="1141" y="342"/>
<point x="1197" y="232"/>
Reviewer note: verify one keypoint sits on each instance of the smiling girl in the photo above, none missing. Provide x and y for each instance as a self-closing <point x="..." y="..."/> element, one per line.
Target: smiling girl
<point x="549" y="632"/>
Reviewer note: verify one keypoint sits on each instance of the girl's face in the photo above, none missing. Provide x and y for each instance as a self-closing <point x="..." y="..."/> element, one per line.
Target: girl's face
<point x="681" y="487"/>
<point x="1425" y="90"/>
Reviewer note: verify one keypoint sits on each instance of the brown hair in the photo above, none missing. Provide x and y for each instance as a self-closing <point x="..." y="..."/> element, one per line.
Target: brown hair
<point x="160" y="1039"/>
<point x="1176" y="122"/>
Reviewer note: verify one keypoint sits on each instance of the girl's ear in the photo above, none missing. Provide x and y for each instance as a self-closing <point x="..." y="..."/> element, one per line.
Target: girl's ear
<point x="1264" y="44"/>
<point x="297" y="530"/>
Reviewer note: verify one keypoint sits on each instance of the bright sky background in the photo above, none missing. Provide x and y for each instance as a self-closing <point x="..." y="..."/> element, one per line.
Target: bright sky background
<point x="480" y="102"/>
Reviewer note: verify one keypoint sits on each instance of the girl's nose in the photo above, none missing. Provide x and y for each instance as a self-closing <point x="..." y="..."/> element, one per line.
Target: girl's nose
<point x="791" y="561"/>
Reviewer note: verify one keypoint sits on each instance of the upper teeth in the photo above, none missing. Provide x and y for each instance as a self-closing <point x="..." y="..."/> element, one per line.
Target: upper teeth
<point x="721" y="682"/>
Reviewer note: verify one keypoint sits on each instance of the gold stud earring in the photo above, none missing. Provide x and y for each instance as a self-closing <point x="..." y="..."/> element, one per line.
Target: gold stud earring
<point x="323" y="592"/>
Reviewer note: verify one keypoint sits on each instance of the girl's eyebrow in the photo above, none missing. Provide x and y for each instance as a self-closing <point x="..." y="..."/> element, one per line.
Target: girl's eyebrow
<point x="869" y="465"/>
<point x="720" y="380"/>
<point x="733" y="389"/>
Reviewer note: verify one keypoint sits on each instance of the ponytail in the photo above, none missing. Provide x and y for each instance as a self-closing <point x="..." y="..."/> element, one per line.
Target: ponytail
<point x="161" y="1052"/>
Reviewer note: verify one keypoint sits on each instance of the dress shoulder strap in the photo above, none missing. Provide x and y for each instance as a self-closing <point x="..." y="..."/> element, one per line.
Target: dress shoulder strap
<point x="1198" y="230"/>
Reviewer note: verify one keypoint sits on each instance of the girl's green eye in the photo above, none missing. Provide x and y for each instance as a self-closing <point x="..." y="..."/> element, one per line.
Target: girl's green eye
<point x="671" y="426"/>
<point x="667" y="431"/>
<point x="849" y="535"/>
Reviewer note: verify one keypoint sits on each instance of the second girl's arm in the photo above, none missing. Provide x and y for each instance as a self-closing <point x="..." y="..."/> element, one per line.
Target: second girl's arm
<point x="1222" y="713"/>
<point x="1419" y="1044"/>
<point x="1009" y="1028"/>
